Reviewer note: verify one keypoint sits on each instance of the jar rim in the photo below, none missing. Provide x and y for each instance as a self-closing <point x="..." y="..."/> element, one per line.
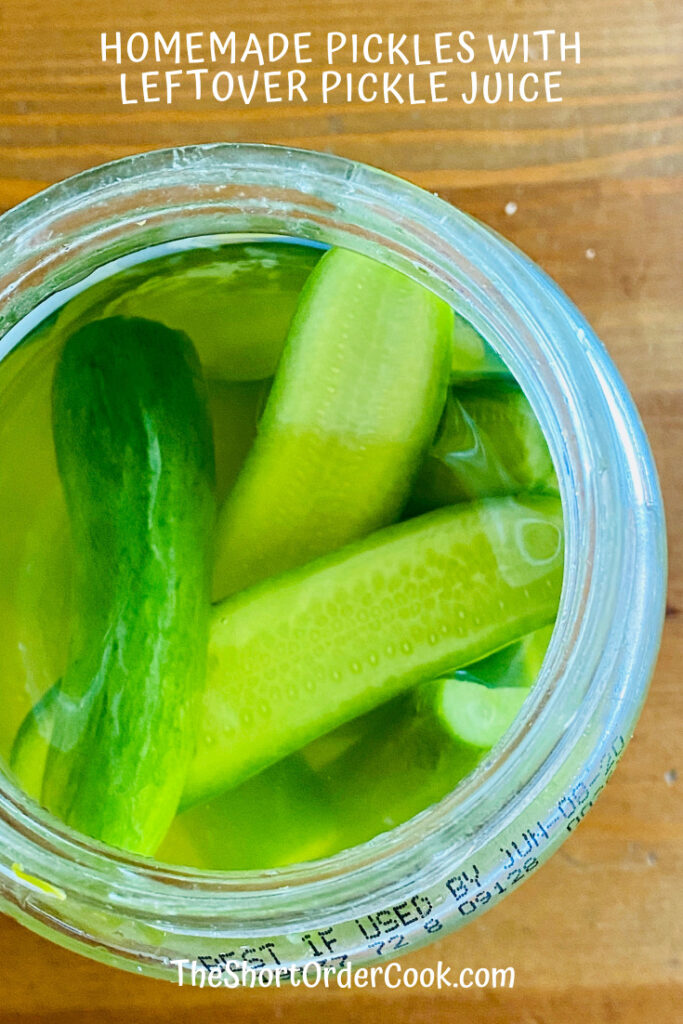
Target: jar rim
<point x="607" y="634"/>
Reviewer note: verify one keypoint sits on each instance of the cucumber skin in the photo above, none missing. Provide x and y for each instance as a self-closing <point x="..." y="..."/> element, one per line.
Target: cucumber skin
<point x="354" y="406"/>
<point x="489" y="444"/>
<point x="135" y="455"/>
<point x="292" y="658"/>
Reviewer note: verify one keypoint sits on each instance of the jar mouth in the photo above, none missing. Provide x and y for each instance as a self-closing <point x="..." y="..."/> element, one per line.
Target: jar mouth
<point x="602" y="652"/>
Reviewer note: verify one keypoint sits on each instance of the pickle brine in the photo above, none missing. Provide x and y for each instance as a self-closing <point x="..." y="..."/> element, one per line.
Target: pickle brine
<point x="382" y="527"/>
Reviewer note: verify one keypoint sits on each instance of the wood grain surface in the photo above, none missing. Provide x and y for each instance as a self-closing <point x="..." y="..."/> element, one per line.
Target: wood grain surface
<point x="596" y="180"/>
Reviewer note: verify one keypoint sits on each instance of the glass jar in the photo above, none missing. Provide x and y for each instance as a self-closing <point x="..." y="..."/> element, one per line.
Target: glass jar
<point x="448" y="864"/>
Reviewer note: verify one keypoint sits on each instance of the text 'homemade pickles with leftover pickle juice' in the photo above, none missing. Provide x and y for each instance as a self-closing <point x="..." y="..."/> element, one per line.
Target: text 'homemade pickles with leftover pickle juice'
<point x="282" y="555"/>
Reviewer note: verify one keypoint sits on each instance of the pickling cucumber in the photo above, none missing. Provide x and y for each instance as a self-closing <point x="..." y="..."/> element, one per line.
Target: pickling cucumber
<point x="33" y="553"/>
<point x="298" y="655"/>
<point x="135" y="456"/>
<point x="401" y="757"/>
<point x="354" y="405"/>
<point x="489" y="443"/>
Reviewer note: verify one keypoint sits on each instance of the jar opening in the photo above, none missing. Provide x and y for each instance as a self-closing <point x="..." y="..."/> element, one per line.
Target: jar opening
<point x="592" y="682"/>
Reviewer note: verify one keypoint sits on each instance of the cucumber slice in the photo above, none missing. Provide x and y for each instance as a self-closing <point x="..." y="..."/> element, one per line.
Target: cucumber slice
<point x="300" y="654"/>
<point x="518" y="664"/>
<point x="354" y="405"/>
<point x="489" y="443"/>
<point x="34" y="551"/>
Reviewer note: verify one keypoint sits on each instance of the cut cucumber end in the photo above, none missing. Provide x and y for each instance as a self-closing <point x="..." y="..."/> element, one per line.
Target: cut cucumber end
<point x="477" y="715"/>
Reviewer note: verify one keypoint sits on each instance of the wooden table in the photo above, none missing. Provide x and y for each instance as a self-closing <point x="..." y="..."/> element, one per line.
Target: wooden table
<point x="596" y="187"/>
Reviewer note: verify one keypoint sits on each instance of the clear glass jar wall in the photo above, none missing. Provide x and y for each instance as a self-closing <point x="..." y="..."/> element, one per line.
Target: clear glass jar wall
<point x="458" y="858"/>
